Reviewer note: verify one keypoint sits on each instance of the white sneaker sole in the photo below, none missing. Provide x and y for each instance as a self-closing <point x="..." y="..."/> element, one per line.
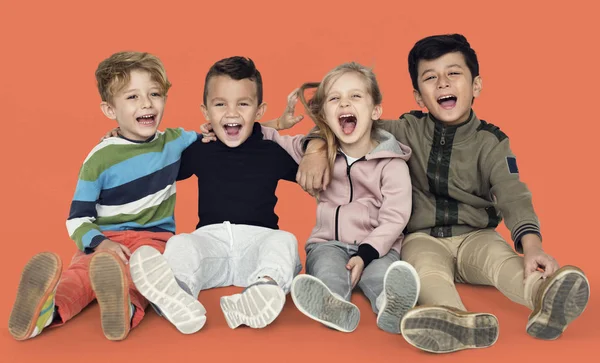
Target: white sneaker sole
<point x="154" y="279"/>
<point x="256" y="307"/>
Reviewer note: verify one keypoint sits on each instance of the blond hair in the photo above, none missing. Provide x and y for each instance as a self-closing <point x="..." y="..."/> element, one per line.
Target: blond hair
<point x="315" y="106"/>
<point x="114" y="72"/>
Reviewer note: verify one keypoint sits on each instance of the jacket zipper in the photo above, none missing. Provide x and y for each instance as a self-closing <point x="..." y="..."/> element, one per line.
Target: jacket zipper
<point x="337" y="210"/>
<point x="437" y="177"/>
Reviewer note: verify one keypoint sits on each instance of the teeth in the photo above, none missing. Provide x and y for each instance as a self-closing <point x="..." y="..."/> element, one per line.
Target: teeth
<point x="445" y="98"/>
<point x="232" y="125"/>
<point x="146" y="116"/>
<point x="347" y="115"/>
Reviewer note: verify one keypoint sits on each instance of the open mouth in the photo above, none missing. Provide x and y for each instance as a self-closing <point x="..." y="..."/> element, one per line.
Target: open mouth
<point x="447" y="102"/>
<point x="347" y="123"/>
<point x="146" y="120"/>
<point x="232" y="129"/>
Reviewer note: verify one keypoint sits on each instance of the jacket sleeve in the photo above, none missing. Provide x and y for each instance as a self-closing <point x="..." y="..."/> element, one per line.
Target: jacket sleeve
<point x="512" y="196"/>
<point x="395" y="210"/>
<point x="291" y="144"/>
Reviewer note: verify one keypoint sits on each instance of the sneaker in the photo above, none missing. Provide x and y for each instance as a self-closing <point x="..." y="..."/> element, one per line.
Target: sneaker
<point x="439" y="329"/>
<point x="34" y="306"/>
<point x="560" y="300"/>
<point x="257" y="306"/>
<point x="401" y="286"/>
<point x="314" y="299"/>
<point x="108" y="277"/>
<point x="155" y="280"/>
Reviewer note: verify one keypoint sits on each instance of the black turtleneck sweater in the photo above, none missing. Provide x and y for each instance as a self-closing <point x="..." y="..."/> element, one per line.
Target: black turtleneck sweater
<point x="238" y="184"/>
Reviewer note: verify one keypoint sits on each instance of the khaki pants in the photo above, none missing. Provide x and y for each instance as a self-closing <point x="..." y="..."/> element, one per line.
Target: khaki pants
<point x="481" y="258"/>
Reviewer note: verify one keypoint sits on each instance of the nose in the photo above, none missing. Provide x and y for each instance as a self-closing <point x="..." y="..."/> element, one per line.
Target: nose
<point x="146" y="102"/>
<point x="232" y="111"/>
<point x="344" y="102"/>
<point x="443" y="82"/>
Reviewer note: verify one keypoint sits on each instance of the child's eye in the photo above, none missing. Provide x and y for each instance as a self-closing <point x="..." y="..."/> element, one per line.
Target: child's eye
<point x="428" y="78"/>
<point x="220" y="104"/>
<point x="155" y="94"/>
<point x="132" y="97"/>
<point x="244" y="104"/>
<point x="454" y="73"/>
<point x="357" y="96"/>
<point x="334" y="98"/>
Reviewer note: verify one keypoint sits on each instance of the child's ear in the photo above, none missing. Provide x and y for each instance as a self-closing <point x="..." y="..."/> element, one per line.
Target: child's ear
<point x="418" y="98"/>
<point x="261" y="111"/>
<point x="205" y="112"/>
<point x="377" y="111"/>
<point x="108" y="110"/>
<point x="477" y="86"/>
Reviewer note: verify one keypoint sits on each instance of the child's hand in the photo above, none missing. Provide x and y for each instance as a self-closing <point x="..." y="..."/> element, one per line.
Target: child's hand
<point x="535" y="257"/>
<point x="207" y="134"/>
<point x="117" y="248"/>
<point x="313" y="171"/>
<point x="356" y="266"/>
<point x="539" y="259"/>
<point x="287" y="119"/>
<point x="112" y="133"/>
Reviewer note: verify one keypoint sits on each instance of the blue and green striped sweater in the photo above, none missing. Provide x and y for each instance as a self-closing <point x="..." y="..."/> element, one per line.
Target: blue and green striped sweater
<point x="127" y="185"/>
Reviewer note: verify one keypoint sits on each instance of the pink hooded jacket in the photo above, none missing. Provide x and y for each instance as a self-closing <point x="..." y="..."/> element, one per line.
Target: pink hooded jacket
<point x="367" y="203"/>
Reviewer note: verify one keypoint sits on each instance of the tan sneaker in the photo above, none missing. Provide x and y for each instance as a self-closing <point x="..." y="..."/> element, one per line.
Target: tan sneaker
<point x="560" y="300"/>
<point x="440" y="329"/>
<point x="34" y="306"/>
<point x="109" y="281"/>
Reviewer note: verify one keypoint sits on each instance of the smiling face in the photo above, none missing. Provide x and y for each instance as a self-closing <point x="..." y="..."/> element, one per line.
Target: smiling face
<point x="137" y="107"/>
<point x="349" y="109"/>
<point x="446" y="88"/>
<point x="231" y="108"/>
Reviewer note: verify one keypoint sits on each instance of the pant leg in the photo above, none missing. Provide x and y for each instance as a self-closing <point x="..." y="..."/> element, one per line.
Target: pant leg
<point x="74" y="291"/>
<point x="371" y="281"/>
<point x="264" y="252"/>
<point x="434" y="262"/>
<point x="484" y="258"/>
<point x="134" y="240"/>
<point x="327" y="262"/>
<point x="201" y="260"/>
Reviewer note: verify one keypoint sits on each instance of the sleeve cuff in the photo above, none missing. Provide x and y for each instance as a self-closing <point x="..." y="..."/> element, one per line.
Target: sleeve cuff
<point x="367" y="252"/>
<point x="95" y="242"/>
<point x="524" y="229"/>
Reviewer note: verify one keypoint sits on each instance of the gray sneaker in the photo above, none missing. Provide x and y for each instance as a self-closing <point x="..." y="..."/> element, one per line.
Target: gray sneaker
<point x="257" y="306"/>
<point x="560" y="300"/>
<point x="401" y="286"/>
<point x="314" y="299"/>
<point x="154" y="279"/>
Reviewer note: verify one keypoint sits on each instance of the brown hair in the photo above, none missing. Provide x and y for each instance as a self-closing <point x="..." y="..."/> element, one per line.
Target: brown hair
<point x="113" y="73"/>
<point x="236" y="68"/>
<point x="314" y="107"/>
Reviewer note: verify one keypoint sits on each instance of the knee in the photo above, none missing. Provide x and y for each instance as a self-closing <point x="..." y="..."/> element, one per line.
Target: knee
<point x="179" y="244"/>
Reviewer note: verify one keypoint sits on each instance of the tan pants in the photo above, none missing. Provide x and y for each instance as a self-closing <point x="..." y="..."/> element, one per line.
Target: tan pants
<point x="481" y="258"/>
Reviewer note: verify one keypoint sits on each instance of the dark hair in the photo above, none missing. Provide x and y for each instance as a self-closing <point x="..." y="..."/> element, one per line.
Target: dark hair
<point x="236" y="68"/>
<point x="436" y="46"/>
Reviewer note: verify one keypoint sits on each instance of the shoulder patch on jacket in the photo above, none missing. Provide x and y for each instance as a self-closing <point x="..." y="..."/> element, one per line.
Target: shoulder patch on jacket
<point x="486" y="126"/>
<point x="415" y="113"/>
<point x="511" y="161"/>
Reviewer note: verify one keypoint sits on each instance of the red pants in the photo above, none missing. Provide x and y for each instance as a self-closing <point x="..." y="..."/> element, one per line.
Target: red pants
<point x="74" y="290"/>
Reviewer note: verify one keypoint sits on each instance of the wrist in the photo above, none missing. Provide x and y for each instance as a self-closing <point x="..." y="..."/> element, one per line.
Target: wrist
<point x="531" y="242"/>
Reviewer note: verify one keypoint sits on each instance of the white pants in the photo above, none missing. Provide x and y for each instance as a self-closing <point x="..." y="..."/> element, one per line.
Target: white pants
<point x="233" y="254"/>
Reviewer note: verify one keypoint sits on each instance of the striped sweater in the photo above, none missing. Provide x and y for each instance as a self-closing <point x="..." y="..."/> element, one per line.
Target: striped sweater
<point x="127" y="185"/>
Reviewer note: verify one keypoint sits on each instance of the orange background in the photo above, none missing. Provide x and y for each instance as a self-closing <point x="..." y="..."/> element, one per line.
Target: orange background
<point x="540" y="70"/>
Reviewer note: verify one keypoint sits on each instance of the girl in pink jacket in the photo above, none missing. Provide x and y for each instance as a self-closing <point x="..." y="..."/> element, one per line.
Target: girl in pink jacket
<point x="362" y="213"/>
